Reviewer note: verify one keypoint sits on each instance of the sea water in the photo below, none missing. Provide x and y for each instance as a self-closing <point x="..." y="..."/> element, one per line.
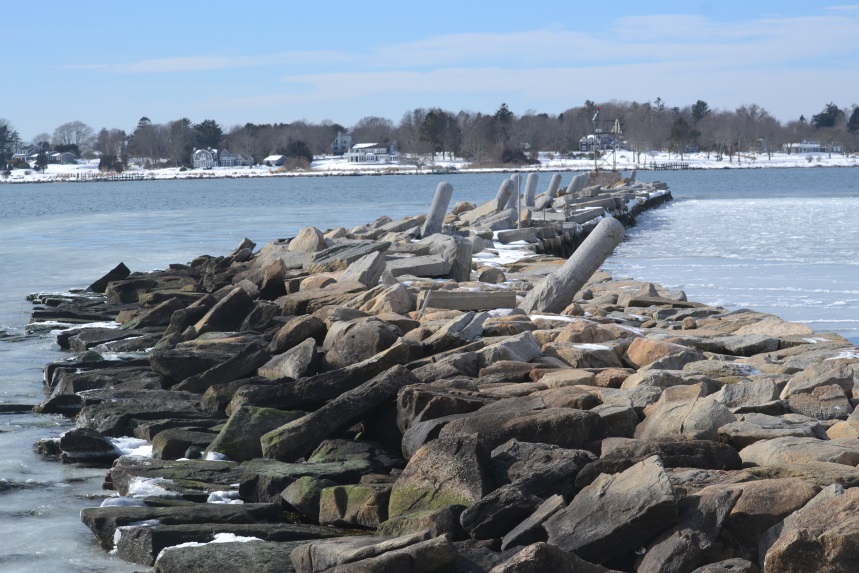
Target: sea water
<point x="780" y="241"/>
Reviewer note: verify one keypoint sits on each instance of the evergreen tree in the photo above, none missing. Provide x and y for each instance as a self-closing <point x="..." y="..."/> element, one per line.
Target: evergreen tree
<point x="208" y="134"/>
<point x="831" y="116"/>
<point x="298" y="148"/>
<point x="9" y="140"/>
<point x="699" y="111"/>
<point x="853" y="122"/>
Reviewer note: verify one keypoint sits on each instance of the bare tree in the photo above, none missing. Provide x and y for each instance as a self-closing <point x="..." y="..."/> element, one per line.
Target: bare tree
<point x="74" y="133"/>
<point x="111" y="142"/>
<point x="372" y="129"/>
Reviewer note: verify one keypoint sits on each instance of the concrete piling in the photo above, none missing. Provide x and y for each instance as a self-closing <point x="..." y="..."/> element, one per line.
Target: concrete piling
<point x="435" y="217"/>
<point x="556" y="291"/>
<point x="530" y="189"/>
<point x="552" y="191"/>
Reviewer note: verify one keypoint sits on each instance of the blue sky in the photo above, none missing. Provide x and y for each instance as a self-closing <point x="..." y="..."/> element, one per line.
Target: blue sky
<point x="109" y="63"/>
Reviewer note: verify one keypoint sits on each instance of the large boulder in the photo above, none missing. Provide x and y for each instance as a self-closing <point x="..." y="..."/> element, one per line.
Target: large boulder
<point x="444" y="472"/>
<point x="291" y="441"/>
<point x="685" y="411"/>
<point x="360" y="340"/>
<point x="793" y="450"/>
<point x="239" y="439"/>
<point x="616" y="514"/>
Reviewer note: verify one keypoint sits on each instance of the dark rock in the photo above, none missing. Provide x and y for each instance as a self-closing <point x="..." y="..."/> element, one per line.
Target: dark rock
<point x="238" y="557"/>
<point x="117" y="273"/>
<point x="171" y="444"/>
<point x="499" y="512"/>
<point x="142" y="543"/>
<point x="616" y="514"/>
<point x="295" y="439"/>
<point x="546" y="557"/>
<point x="191" y="480"/>
<point x="620" y="454"/>
<point x="531" y="530"/>
<point x="422" y="402"/>
<point x="682" y="547"/>
<point x="408" y="554"/>
<point x="294" y="394"/>
<point x="104" y="521"/>
<point x="83" y="445"/>
<point x="242" y="364"/>
<point x="110" y="411"/>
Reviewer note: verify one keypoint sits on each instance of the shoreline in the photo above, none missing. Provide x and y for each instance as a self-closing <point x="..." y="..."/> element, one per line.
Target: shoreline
<point x="369" y="395"/>
<point x="84" y="174"/>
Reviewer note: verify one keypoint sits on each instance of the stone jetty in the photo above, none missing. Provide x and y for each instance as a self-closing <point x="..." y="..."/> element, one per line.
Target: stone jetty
<point x="458" y="391"/>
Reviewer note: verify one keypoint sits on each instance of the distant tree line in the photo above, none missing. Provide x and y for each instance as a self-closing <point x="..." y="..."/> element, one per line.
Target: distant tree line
<point x="423" y="134"/>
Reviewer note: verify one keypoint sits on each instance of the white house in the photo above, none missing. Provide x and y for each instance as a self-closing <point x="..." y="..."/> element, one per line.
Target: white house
<point x="372" y="153"/>
<point x="807" y="146"/>
<point x="341" y="143"/>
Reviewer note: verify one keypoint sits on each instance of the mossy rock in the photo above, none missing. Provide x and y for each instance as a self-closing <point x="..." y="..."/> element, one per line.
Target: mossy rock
<point x="239" y="439"/>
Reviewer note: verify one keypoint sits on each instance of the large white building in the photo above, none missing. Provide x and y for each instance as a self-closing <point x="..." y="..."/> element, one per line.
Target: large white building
<point x="372" y="153"/>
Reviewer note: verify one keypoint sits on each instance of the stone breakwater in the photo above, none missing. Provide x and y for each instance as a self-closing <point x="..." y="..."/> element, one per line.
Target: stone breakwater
<point x="447" y="393"/>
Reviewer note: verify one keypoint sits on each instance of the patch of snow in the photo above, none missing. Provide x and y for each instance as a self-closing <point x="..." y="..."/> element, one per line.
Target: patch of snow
<point x="218" y="538"/>
<point x="224" y="497"/>
<point x="149" y="487"/>
<point x="122" y="501"/>
<point x="132" y="446"/>
<point x="593" y="346"/>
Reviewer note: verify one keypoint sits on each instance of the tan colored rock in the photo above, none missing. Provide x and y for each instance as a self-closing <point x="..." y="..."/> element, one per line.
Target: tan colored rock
<point x="792" y="450"/>
<point x="821" y="374"/>
<point x="846" y="429"/>
<point x="645" y="351"/>
<point x="763" y="503"/>
<point x="821" y="538"/>
<point x="308" y="240"/>
<point x="774" y="326"/>
<point x="568" y="377"/>
<point x="320" y="280"/>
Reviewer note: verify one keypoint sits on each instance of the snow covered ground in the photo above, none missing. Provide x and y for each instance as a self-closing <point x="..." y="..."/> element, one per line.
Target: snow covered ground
<point x="624" y="161"/>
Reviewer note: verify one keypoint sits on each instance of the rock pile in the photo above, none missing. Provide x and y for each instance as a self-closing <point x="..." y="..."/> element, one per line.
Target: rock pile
<point x="380" y="399"/>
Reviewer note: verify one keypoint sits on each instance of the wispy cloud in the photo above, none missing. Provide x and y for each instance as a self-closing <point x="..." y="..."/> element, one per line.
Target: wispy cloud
<point x="218" y="62"/>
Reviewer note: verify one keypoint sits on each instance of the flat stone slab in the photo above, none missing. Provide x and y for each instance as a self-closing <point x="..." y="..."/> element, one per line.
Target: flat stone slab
<point x="420" y="266"/>
<point x="142" y="543"/>
<point x="466" y="300"/>
<point x="103" y="521"/>
<point x="236" y="557"/>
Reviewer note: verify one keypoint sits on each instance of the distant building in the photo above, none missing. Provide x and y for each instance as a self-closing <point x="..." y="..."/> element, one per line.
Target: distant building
<point x="28" y="154"/>
<point x="341" y="144"/>
<point x="274" y="160"/>
<point x="62" y="158"/>
<point x="372" y="153"/>
<point x="603" y="142"/>
<point x="208" y="158"/>
<point x="807" y="146"/>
